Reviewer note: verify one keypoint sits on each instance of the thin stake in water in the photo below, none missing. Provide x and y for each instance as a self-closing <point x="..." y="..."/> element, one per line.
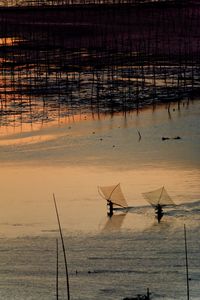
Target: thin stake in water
<point x="57" y="294"/>
<point x="63" y="247"/>
<point x="186" y="264"/>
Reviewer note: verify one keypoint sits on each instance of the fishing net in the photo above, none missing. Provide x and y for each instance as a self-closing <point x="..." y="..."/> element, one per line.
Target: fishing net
<point x="159" y="196"/>
<point x="114" y="194"/>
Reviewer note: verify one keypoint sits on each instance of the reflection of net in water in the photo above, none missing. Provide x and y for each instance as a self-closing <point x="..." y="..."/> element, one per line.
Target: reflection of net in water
<point x="115" y="222"/>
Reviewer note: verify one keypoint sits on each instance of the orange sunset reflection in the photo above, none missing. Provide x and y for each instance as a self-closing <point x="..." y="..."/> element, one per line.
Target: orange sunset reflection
<point x="71" y="156"/>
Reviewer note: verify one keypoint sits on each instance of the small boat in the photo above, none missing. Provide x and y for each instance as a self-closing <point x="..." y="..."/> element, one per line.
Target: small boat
<point x="159" y="198"/>
<point x="114" y="197"/>
<point x="139" y="297"/>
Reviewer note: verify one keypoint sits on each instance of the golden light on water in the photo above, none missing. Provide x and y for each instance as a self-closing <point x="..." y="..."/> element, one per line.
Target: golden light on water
<point x="71" y="159"/>
<point x="9" y="41"/>
<point x="29" y="202"/>
<point x="26" y="140"/>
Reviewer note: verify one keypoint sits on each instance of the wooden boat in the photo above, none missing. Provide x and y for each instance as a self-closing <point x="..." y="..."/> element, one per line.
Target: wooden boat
<point x="139" y="297"/>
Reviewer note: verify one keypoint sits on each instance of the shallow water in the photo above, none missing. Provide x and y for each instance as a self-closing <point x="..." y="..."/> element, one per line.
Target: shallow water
<point x="115" y="257"/>
<point x="65" y="76"/>
<point x="107" y="265"/>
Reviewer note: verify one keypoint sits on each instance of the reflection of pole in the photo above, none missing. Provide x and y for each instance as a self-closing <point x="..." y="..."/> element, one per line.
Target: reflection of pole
<point x="148" y="294"/>
<point x="63" y="246"/>
<point x="186" y="264"/>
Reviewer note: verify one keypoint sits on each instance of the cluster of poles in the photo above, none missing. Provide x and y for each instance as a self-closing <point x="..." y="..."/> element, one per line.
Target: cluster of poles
<point x="106" y="66"/>
<point x="41" y="3"/>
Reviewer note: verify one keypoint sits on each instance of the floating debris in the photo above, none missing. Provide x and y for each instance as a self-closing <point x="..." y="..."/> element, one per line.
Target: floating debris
<point x="164" y="138"/>
<point x="139" y="134"/>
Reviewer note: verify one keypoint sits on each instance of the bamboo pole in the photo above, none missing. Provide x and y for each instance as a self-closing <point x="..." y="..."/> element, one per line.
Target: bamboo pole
<point x="63" y="247"/>
<point x="186" y="263"/>
<point x="57" y="293"/>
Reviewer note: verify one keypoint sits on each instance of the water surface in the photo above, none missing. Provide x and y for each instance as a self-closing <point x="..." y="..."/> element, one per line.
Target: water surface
<point x="71" y="157"/>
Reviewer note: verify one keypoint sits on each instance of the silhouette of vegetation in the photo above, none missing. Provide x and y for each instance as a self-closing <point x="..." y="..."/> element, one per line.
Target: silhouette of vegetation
<point x="103" y="58"/>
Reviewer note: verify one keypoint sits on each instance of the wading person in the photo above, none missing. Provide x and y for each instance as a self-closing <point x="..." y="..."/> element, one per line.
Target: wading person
<point x="110" y="208"/>
<point x="159" y="212"/>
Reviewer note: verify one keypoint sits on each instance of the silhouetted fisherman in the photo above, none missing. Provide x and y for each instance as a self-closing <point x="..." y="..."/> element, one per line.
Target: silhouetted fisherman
<point x="110" y="207"/>
<point x="159" y="212"/>
<point x="148" y="294"/>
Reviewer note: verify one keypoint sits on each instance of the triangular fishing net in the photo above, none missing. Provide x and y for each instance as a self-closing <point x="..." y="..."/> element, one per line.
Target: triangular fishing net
<point x="114" y="194"/>
<point x="159" y="196"/>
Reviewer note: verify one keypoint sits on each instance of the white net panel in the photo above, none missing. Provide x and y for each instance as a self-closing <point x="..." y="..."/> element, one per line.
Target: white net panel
<point x="159" y="196"/>
<point x="114" y="194"/>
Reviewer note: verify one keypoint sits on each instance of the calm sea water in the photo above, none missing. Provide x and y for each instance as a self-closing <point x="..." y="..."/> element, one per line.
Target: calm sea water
<point x="62" y="90"/>
<point x="107" y="258"/>
<point x="107" y="265"/>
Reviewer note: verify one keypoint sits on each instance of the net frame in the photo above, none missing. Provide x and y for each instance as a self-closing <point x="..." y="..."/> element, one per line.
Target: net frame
<point x="113" y="194"/>
<point x="159" y="197"/>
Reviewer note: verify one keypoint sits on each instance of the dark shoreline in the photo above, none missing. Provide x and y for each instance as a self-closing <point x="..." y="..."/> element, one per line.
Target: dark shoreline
<point x="117" y="59"/>
<point x="163" y="26"/>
